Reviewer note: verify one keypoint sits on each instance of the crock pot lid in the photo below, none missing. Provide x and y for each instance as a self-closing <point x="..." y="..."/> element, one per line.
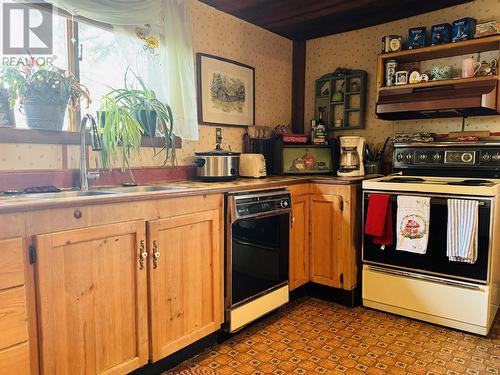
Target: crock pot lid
<point x="218" y="151"/>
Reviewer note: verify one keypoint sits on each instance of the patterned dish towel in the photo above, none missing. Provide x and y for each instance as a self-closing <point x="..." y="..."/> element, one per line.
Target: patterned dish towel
<point x="462" y="238"/>
<point x="413" y="223"/>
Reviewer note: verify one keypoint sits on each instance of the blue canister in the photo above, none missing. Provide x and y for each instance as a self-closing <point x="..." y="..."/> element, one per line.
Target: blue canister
<point x="416" y="37"/>
<point x="463" y="29"/>
<point x="440" y="34"/>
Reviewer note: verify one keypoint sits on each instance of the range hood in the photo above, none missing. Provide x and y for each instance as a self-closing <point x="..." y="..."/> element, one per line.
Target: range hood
<point x="465" y="97"/>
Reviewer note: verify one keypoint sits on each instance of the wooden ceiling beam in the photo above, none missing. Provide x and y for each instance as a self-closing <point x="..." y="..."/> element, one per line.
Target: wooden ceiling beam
<point x="235" y="7"/>
<point x="304" y="14"/>
<point x="366" y="17"/>
<point x="343" y="9"/>
<point x="309" y="19"/>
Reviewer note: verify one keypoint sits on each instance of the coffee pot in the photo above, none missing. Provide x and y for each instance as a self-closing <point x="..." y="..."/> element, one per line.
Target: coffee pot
<point x="351" y="156"/>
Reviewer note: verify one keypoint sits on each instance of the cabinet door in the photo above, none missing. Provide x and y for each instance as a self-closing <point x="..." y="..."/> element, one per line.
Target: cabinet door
<point x="185" y="280"/>
<point x="299" y="242"/>
<point x="92" y="300"/>
<point x="14" y="332"/>
<point x="326" y="229"/>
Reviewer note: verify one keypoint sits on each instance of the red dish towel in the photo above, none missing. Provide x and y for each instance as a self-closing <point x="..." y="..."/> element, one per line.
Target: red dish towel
<point x="379" y="219"/>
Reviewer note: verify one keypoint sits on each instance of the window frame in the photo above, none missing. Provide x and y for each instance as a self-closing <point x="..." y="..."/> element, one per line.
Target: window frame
<point x="70" y="136"/>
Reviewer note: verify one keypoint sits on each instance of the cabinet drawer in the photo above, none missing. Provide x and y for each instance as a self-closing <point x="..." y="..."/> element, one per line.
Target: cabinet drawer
<point x="11" y="263"/>
<point x="15" y="360"/>
<point x="13" y="320"/>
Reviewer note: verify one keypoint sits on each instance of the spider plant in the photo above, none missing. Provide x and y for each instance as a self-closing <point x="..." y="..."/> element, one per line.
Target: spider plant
<point x="121" y="134"/>
<point x="126" y="113"/>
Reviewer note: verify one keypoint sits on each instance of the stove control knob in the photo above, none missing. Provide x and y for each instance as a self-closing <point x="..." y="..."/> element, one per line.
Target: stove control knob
<point x="409" y="156"/>
<point x="467" y="157"/>
<point x="486" y="156"/>
<point x="399" y="156"/>
<point x="423" y="157"/>
<point x="284" y="204"/>
<point x="436" y="157"/>
<point x="496" y="157"/>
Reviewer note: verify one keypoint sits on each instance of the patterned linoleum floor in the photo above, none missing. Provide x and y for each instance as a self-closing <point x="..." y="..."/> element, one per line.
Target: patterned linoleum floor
<point x="311" y="336"/>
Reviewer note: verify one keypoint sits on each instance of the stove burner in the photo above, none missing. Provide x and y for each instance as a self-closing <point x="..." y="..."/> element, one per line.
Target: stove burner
<point x="405" y="179"/>
<point x="471" y="182"/>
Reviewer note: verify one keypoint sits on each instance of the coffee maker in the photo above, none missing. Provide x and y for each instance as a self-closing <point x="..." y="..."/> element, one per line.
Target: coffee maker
<point x="352" y="149"/>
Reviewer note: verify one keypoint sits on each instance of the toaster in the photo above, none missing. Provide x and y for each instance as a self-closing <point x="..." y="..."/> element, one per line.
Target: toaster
<point x="252" y="165"/>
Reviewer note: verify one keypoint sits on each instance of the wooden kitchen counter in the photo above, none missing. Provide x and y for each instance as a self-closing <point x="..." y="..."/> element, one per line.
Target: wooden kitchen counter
<point x="193" y="187"/>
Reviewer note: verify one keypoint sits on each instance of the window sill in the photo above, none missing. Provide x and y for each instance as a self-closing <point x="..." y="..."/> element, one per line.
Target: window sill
<point x="38" y="136"/>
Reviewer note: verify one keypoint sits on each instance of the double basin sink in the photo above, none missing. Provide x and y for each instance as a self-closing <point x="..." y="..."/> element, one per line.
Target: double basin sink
<point x="101" y="191"/>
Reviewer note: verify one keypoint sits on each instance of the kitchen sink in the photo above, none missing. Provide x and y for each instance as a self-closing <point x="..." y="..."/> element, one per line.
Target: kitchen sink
<point x="147" y="188"/>
<point x="68" y="194"/>
<point x="95" y="192"/>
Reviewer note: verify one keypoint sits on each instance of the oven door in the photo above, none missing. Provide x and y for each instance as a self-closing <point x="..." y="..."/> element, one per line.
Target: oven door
<point x="434" y="261"/>
<point x="257" y="258"/>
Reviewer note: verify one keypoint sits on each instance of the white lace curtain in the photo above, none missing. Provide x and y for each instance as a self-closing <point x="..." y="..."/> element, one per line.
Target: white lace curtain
<point x="171" y="73"/>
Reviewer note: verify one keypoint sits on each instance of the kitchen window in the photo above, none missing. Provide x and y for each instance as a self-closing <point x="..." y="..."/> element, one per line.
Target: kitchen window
<point x="90" y="53"/>
<point x="98" y="46"/>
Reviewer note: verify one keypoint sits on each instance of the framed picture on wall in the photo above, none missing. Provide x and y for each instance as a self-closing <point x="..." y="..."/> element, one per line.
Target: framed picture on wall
<point x="226" y="91"/>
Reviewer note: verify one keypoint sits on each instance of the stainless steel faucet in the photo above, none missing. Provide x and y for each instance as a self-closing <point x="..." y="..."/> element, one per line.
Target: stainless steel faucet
<point x="85" y="175"/>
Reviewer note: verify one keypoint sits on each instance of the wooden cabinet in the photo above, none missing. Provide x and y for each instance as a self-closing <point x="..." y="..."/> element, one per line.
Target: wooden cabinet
<point x="334" y="235"/>
<point x="92" y="299"/>
<point x="299" y="242"/>
<point x="14" y="338"/>
<point x="113" y="295"/>
<point x="326" y="229"/>
<point x="323" y="236"/>
<point x="185" y="279"/>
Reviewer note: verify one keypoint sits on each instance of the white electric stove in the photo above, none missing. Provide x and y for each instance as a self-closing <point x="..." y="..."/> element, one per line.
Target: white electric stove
<point x="429" y="286"/>
<point x="426" y="184"/>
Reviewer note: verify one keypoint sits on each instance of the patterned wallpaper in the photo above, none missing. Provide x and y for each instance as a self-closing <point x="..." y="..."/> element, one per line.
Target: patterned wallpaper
<point x="358" y="49"/>
<point x="218" y="34"/>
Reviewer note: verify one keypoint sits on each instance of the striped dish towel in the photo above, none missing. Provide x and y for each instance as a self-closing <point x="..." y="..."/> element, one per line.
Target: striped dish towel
<point x="462" y="236"/>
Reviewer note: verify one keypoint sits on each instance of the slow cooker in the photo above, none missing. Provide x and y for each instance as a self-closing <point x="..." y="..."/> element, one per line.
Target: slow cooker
<point x="217" y="165"/>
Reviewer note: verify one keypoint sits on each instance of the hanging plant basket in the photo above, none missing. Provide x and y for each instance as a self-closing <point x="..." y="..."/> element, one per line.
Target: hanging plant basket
<point x="44" y="93"/>
<point x="46" y="113"/>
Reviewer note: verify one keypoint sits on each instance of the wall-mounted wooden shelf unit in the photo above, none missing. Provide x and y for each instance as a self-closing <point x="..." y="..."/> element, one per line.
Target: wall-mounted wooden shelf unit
<point x="446" y="82"/>
<point x="488" y="43"/>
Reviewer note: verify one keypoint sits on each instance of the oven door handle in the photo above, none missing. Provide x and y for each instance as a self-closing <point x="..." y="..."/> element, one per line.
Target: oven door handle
<point x="249" y="244"/>
<point x="425" y="278"/>
<point x="444" y="201"/>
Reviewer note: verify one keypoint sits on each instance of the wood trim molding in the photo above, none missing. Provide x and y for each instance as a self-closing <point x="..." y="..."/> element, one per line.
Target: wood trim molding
<point x="37" y="136"/>
<point x="298" y="85"/>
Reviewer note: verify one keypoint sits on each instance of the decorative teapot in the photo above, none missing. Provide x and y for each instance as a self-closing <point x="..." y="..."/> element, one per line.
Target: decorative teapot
<point x="486" y="68"/>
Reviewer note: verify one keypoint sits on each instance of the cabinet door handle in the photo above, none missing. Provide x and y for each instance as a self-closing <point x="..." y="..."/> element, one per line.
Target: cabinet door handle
<point x="142" y="255"/>
<point x="156" y="254"/>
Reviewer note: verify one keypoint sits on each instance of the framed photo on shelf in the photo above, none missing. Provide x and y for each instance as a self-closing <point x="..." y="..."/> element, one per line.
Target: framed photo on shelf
<point x="225" y="91"/>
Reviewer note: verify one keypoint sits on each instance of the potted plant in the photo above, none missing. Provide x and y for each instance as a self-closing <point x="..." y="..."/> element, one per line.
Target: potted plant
<point x="6" y="113"/>
<point x="128" y="113"/>
<point x="44" y="92"/>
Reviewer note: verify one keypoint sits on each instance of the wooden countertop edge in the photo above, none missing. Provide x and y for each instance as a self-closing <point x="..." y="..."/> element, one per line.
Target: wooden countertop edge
<point x="42" y="203"/>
